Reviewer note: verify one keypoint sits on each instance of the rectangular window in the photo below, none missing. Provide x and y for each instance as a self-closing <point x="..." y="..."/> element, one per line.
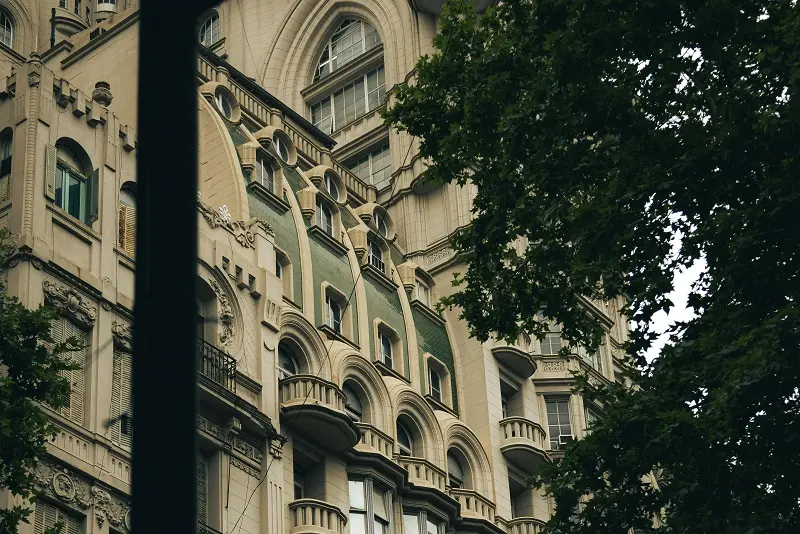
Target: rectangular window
<point x="435" y="384"/>
<point x="354" y="99"/>
<point x="5" y="165"/>
<point x="386" y="349"/>
<point x="61" y="330"/>
<point x="592" y="416"/>
<point x="423" y="293"/>
<point x="374" y="167"/>
<point x="71" y="192"/>
<point x="420" y="523"/>
<point x="376" y="257"/>
<point x="62" y="3"/>
<point x="558" y="423"/>
<point x="324" y="218"/>
<point x="47" y="515"/>
<point x="410" y="524"/>
<point x="78" y="7"/>
<point x="551" y="344"/>
<point x="299" y="484"/>
<point x="333" y="314"/>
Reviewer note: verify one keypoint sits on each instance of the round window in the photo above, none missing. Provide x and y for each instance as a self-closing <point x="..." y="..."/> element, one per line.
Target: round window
<point x="380" y="224"/>
<point x="330" y="185"/>
<point x="225" y="105"/>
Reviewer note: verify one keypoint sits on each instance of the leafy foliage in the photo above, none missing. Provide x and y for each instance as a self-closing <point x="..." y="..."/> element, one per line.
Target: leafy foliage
<point x="594" y="131"/>
<point x="30" y="363"/>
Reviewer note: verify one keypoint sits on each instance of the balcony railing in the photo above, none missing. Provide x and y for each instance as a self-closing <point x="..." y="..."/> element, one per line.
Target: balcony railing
<point x="423" y="473"/>
<point x="216" y="364"/>
<point x="525" y="525"/>
<point x="310" y="389"/>
<point x="373" y="440"/>
<point x="313" y="516"/>
<point x="521" y="430"/>
<point x="473" y="504"/>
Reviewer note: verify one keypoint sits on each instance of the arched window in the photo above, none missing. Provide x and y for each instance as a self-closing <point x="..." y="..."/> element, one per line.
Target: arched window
<point x="352" y="403"/>
<point x="6" y="29"/>
<point x="127" y="221"/>
<point x="351" y="39"/>
<point x="282" y="148"/>
<point x="434" y="384"/>
<point x="224" y="105"/>
<point x="287" y="363"/>
<point x="71" y="184"/>
<point x="405" y="439"/>
<point x="330" y="185"/>
<point x="206" y="317"/>
<point x="209" y="30"/>
<point x="380" y="224"/>
<point x="455" y="472"/>
<point x="5" y="164"/>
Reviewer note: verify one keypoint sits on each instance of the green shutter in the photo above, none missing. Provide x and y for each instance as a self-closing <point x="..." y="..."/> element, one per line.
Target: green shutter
<point x="202" y="489"/>
<point x="93" y="196"/>
<point x="50" y="173"/>
<point x="116" y="391"/>
<point x="125" y="397"/>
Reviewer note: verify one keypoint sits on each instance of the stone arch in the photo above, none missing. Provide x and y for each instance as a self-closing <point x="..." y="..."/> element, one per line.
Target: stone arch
<point x="230" y="329"/>
<point x="23" y="26"/>
<point x="457" y="435"/>
<point x="411" y="406"/>
<point x="350" y="365"/>
<point x="212" y="135"/>
<point x="296" y="328"/>
<point x="293" y="54"/>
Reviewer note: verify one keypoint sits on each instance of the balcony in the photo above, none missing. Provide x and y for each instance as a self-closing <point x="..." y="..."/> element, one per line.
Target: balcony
<point x="517" y="359"/>
<point x="216" y="365"/>
<point x="374" y="441"/>
<point x="422" y="473"/>
<point x="310" y="516"/>
<point x="525" y="525"/>
<point x="524" y="443"/>
<point x="314" y="407"/>
<point x="473" y="505"/>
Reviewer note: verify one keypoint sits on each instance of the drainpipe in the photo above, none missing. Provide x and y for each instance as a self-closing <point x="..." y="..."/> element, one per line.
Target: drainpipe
<point x="53" y="28"/>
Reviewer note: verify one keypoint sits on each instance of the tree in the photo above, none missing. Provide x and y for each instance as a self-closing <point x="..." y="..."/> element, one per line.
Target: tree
<point x="595" y="131"/>
<point x="30" y="367"/>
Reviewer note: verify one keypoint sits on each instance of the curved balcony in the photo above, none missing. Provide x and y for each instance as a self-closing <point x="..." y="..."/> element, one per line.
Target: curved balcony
<point x="314" y="407"/>
<point x="525" y="525"/>
<point x="374" y="441"/>
<point x="517" y="359"/>
<point x="473" y="505"/>
<point x="524" y="443"/>
<point x="310" y="516"/>
<point x="423" y="473"/>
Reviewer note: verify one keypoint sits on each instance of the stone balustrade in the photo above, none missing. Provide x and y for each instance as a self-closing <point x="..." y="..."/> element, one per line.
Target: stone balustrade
<point x="473" y="505"/>
<point x="310" y="389"/>
<point x="423" y="473"/>
<point x="316" y="517"/>
<point x="373" y="440"/>
<point x="519" y="429"/>
<point x="525" y="525"/>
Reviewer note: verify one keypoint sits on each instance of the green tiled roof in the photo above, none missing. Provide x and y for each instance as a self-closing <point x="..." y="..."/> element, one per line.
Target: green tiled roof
<point x="334" y="269"/>
<point x="293" y="178"/>
<point x="385" y="304"/>
<point x="432" y="338"/>
<point x="348" y="219"/>
<point x="237" y="135"/>
<point x="397" y="256"/>
<point x="285" y="238"/>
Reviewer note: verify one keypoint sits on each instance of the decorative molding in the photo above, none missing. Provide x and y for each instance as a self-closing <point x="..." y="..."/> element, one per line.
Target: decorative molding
<point x="70" y="302"/>
<point x="244" y="467"/>
<point x="439" y="255"/>
<point x="559" y="366"/>
<point x="225" y="313"/>
<point x="108" y="508"/>
<point x="123" y="337"/>
<point x="231" y="439"/>
<point x="276" y="449"/>
<point x="272" y="314"/>
<point x="241" y="230"/>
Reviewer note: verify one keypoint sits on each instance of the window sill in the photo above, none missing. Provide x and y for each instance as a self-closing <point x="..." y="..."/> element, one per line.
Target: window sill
<point x="268" y="196"/>
<point x="333" y="335"/>
<point x="320" y="235"/>
<point x="379" y="276"/>
<point x="430" y="313"/>
<point x="329" y="83"/>
<point x="439" y="405"/>
<point x="129" y="261"/>
<point x="65" y="219"/>
<point x="388" y="371"/>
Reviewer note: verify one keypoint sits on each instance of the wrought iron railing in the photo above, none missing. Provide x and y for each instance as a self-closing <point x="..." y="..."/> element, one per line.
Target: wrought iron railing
<point x="216" y="365"/>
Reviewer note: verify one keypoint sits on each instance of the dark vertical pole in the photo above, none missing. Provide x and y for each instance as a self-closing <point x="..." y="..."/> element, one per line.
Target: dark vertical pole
<point x="53" y="28"/>
<point x="164" y="363"/>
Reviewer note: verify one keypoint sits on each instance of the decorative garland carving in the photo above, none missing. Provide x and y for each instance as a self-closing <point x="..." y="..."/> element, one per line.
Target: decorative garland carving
<point x="554" y="367"/>
<point x="61" y="484"/>
<point x="240" y="229"/>
<point x="244" y="467"/>
<point x="107" y="508"/>
<point x="225" y="313"/>
<point x="439" y="255"/>
<point x="123" y="338"/>
<point x="70" y="302"/>
<point x="230" y="438"/>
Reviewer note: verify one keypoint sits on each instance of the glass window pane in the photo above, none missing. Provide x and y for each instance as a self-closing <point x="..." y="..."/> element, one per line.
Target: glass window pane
<point x="75" y="198"/>
<point x="357" y="497"/>
<point x="357" y="523"/>
<point x="380" y="527"/>
<point x="410" y="524"/>
<point x="61" y="177"/>
<point x="379" y="504"/>
<point x="432" y="528"/>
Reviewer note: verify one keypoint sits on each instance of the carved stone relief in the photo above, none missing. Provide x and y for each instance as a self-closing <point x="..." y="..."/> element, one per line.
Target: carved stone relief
<point x="225" y="313"/>
<point x="241" y="230"/>
<point x="123" y="338"/>
<point x="230" y="438"/>
<point x="70" y="302"/>
<point x="439" y="255"/>
<point x="554" y="367"/>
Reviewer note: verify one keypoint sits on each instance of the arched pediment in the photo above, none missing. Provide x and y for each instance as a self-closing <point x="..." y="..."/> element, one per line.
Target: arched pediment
<point x="305" y="336"/>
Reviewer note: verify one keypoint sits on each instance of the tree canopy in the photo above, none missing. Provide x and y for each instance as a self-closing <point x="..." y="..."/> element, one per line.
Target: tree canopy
<point x="594" y="131"/>
<point x="30" y="367"/>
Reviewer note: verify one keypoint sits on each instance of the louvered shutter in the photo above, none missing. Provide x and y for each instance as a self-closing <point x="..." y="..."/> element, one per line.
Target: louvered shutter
<point x="5" y="179"/>
<point x="74" y="408"/>
<point x="71" y="523"/>
<point x="125" y="397"/>
<point x="116" y="394"/>
<point x="50" y="172"/>
<point x="93" y="196"/>
<point x="202" y="489"/>
<point x="130" y="231"/>
<point x="38" y="521"/>
<point x="58" y="331"/>
<point x="46" y="516"/>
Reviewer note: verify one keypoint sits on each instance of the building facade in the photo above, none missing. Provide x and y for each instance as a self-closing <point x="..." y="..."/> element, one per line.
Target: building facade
<point x="333" y="397"/>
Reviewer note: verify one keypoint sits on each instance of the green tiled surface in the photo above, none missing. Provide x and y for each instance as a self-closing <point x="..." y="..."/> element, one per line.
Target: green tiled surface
<point x="385" y="304"/>
<point x="293" y="178"/>
<point x="237" y="135"/>
<point x="432" y="338"/>
<point x="348" y="219"/>
<point x="334" y="269"/>
<point x="285" y="238"/>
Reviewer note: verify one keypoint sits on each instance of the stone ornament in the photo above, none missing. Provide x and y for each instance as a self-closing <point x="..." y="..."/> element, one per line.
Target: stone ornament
<point x="70" y="302"/>
<point x="108" y="508"/>
<point x="63" y="485"/>
<point x="102" y="94"/>
<point x="231" y="439"/>
<point x="123" y="337"/>
<point x="439" y="255"/>
<point x="554" y="367"/>
<point x="225" y="313"/>
<point x="240" y="229"/>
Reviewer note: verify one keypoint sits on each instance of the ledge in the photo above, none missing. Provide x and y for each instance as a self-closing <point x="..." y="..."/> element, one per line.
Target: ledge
<point x="330" y="82"/>
<point x="280" y="205"/>
<point x="439" y="405"/>
<point x="248" y="383"/>
<point x="332" y="334"/>
<point x="388" y="371"/>
<point x="379" y="276"/>
<point x="319" y="235"/>
<point x="430" y="313"/>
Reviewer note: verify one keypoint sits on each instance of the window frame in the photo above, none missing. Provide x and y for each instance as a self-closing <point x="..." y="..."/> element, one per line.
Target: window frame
<point x="322" y="211"/>
<point x="208" y="26"/>
<point x="422" y="519"/>
<point x="404" y="450"/>
<point x="64" y="172"/>
<point x="556" y="443"/>
<point x="379" y="72"/>
<point x="375" y="255"/>
<point x="367" y="161"/>
<point x="435" y="392"/>
<point x="333" y="313"/>
<point x="369" y="489"/>
<point x="329" y="52"/>
<point x="6" y="27"/>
